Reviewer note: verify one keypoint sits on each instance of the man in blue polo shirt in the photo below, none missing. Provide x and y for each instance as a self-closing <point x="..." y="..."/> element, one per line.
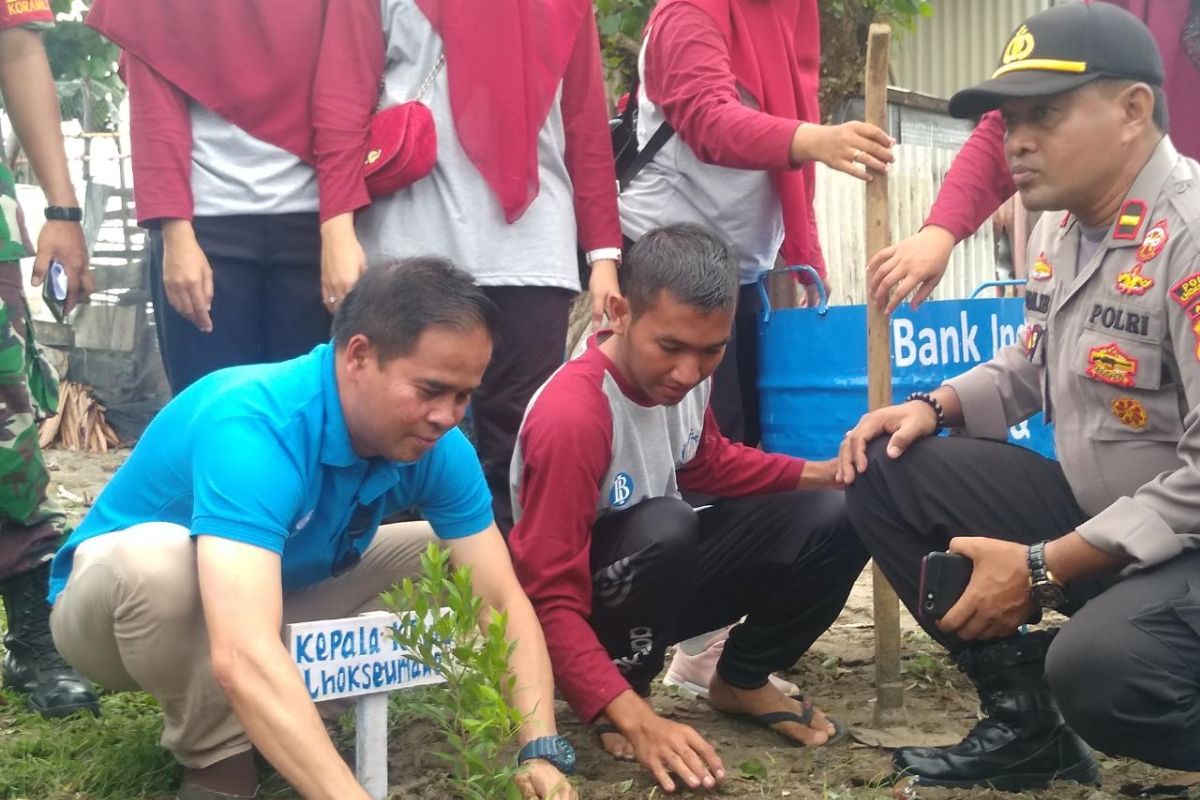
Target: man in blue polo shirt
<point x="255" y="498"/>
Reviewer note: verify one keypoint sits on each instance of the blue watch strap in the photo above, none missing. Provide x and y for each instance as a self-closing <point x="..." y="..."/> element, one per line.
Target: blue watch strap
<point x="555" y="749"/>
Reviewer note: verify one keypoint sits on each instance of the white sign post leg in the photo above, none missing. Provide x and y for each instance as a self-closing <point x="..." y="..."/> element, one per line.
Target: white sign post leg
<point x="357" y="657"/>
<point x="370" y="750"/>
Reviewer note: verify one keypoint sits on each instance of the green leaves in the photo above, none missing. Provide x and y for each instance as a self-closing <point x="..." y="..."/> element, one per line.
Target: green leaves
<point x="843" y="23"/>
<point x="621" y="23"/>
<point x="84" y="65"/>
<point x="444" y="626"/>
<point x="901" y="13"/>
<point x="753" y="770"/>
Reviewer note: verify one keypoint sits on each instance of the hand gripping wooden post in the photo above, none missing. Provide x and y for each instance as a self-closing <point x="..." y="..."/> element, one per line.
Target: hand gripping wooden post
<point x="889" y="696"/>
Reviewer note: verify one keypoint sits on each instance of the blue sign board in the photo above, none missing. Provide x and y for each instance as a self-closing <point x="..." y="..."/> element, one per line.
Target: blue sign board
<point x="813" y="366"/>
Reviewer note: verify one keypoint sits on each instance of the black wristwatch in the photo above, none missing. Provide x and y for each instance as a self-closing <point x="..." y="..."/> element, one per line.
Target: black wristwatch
<point x="1045" y="590"/>
<point x="555" y="749"/>
<point x="64" y="213"/>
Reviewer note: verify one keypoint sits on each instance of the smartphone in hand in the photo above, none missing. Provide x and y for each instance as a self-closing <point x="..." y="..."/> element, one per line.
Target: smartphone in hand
<point x="944" y="578"/>
<point x="54" y="289"/>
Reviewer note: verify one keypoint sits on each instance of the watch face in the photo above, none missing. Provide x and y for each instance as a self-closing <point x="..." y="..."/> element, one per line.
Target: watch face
<point x="1048" y="595"/>
<point x="566" y="755"/>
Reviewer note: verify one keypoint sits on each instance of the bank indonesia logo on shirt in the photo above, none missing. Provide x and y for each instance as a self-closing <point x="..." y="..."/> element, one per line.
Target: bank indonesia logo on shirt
<point x="689" y="448"/>
<point x="622" y="490"/>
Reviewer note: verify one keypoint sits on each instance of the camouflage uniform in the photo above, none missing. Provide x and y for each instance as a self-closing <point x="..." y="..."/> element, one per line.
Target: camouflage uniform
<point x="31" y="525"/>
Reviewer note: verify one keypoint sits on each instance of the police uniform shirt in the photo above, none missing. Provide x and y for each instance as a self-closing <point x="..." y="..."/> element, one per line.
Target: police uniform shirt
<point x="1111" y="354"/>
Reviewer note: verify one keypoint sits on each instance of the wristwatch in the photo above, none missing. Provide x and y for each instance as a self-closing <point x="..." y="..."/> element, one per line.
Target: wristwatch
<point x="1045" y="590"/>
<point x="555" y="749"/>
<point x="64" y="213"/>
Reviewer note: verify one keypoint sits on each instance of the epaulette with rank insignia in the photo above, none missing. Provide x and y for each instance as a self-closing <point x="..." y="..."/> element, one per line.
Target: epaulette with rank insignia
<point x="1129" y="221"/>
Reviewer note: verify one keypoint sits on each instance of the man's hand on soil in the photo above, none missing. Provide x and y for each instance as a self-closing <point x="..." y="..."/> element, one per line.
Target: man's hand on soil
<point x="997" y="600"/>
<point x="665" y="747"/>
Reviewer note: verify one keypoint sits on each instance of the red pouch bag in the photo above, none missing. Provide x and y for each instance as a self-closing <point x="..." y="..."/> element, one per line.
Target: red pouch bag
<point x="401" y="144"/>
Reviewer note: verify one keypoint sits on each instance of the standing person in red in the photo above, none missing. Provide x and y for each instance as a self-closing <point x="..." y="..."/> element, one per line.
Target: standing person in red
<point x="524" y="172"/>
<point x="737" y="81"/>
<point x="249" y="128"/>
<point x="618" y="566"/>
<point x="979" y="180"/>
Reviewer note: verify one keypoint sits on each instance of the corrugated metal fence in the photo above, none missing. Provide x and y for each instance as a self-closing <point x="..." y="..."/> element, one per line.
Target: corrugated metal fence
<point x="913" y="183"/>
<point x="959" y="45"/>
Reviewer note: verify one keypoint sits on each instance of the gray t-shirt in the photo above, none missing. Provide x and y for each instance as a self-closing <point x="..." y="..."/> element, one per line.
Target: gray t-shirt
<point x="235" y="173"/>
<point x="676" y="186"/>
<point x="1091" y="242"/>
<point x="452" y="212"/>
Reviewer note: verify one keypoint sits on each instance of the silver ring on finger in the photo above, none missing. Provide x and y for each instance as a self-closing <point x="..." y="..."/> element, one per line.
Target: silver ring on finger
<point x="857" y="153"/>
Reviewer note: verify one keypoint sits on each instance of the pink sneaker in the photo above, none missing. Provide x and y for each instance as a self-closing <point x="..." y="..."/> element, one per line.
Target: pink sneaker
<point x="691" y="670"/>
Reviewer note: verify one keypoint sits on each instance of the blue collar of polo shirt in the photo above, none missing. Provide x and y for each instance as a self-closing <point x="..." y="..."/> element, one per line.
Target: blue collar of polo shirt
<point x="336" y="448"/>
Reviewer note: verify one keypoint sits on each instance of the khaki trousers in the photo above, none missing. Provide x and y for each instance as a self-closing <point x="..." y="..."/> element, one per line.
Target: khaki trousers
<point x="131" y="618"/>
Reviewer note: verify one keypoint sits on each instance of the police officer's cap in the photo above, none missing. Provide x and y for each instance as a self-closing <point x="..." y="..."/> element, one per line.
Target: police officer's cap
<point x="1064" y="48"/>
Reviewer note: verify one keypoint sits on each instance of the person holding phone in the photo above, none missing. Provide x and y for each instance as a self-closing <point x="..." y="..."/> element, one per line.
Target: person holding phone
<point x="31" y="524"/>
<point x="1108" y="534"/>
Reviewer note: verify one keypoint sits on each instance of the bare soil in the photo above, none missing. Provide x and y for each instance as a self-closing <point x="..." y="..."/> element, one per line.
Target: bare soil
<point x="838" y="673"/>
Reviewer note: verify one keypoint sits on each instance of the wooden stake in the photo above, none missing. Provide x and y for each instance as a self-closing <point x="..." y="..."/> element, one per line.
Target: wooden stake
<point x="889" y="697"/>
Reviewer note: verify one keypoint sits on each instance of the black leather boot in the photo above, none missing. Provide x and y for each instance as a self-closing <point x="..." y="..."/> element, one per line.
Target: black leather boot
<point x="32" y="665"/>
<point x="1022" y="742"/>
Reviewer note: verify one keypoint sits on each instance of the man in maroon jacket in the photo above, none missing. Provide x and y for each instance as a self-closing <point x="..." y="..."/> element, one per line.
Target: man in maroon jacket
<point x="618" y="567"/>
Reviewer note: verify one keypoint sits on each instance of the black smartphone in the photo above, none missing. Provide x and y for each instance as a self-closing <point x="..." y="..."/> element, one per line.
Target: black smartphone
<point x="944" y="577"/>
<point x="54" y="289"/>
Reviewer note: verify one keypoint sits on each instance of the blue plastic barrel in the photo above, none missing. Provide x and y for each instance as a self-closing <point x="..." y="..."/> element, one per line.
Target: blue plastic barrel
<point x="813" y="364"/>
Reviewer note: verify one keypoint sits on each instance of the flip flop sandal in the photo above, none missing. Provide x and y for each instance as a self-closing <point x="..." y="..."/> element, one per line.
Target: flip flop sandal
<point x="770" y="719"/>
<point x="601" y="728"/>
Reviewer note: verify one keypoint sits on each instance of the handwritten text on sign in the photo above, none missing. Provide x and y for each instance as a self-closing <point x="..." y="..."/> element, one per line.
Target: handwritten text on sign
<point x="353" y="656"/>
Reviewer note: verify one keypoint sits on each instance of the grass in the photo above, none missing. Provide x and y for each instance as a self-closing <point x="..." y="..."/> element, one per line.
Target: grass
<point x="117" y="756"/>
<point x="113" y="757"/>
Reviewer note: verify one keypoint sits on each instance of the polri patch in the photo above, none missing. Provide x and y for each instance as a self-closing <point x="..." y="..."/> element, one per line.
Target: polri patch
<point x="1129" y="221"/>
<point x="1153" y="244"/>
<point x="1041" y="270"/>
<point x="1110" y="364"/>
<point x="1133" y="282"/>
<point x="1130" y="412"/>
<point x="1187" y="292"/>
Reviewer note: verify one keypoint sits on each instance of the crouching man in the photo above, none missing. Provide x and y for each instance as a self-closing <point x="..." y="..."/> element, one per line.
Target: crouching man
<point x="619" y="567"/>
<point x="1111" y="354"/>
<point x="254" y="499"/>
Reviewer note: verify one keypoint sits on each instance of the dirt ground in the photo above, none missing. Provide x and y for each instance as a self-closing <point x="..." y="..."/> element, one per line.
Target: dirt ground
<point x="838" y="673"/>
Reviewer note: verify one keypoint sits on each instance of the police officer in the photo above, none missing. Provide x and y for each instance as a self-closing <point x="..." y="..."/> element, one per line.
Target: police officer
<point x="1111" y="354"/>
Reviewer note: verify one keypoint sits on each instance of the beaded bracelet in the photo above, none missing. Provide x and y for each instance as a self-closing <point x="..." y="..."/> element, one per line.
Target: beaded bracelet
<point x="926" y="397"/>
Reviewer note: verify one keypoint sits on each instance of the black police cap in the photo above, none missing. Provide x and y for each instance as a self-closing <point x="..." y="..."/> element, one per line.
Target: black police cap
<point x="1064" y="48"/>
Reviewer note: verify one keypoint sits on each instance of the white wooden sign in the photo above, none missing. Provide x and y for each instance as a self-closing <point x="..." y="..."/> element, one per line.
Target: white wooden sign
<point x="353" y="656"/>
<point x="356" y="657"/>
